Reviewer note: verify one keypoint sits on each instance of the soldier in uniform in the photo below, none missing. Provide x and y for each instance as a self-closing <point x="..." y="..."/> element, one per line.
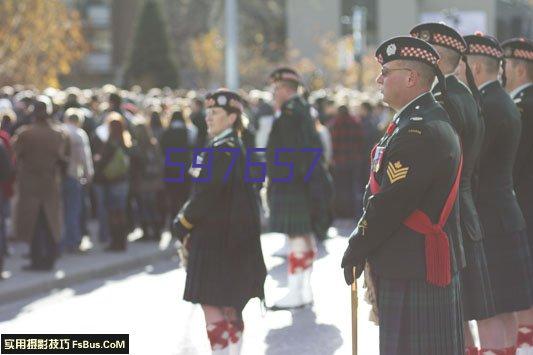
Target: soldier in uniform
<point x="288" y="189"/>
<point x="225" y="267"/>
<point x="408" y="236"/>
<point x="505" y="239"/>
<point x="518" y="53"/>
<point x="465" y="115"/>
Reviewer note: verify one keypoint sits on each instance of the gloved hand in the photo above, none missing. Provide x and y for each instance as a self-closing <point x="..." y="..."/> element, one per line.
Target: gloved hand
<point x="348" y="272"/>
<point x="351" y="259"/>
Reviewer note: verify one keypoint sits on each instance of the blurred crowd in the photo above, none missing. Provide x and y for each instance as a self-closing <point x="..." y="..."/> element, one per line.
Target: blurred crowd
<point x="101" y="154"/>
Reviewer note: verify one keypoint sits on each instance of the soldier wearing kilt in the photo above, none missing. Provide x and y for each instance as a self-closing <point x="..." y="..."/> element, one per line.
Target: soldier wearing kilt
<point x="288" y="190"/>
<point x="225" y="268"/>
<point x="505" y="239"/>
<point x="518" y="53"/>
<point x="409" y="235"/>
<point x="465" y="115"/>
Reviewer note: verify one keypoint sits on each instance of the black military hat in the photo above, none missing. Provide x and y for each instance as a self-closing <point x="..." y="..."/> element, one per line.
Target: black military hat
<point x="226" y="99"/>
<point x="407" y="48"/>
<point x="285" y="73"/>
<point x="443" y="35"/>
<point x="480" y="44"/>
<point x="440" y="34"/>
<point x="518" y="48"/>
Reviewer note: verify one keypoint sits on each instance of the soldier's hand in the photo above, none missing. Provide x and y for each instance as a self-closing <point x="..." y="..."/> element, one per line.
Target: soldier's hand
<point x="349" y="260"/>
<point x="348" y="273"/>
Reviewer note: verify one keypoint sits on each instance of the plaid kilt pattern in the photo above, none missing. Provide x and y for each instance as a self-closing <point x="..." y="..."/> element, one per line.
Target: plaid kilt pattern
<point x="416" y="318"/>
<point x="478" y="301"/>
<point x="510" y="270"/>
<point x="290" y="209"/>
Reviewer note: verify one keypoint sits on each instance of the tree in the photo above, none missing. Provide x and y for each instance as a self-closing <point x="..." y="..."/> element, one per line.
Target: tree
<point x="39" y="40"/>
<point x="150" y="63"/>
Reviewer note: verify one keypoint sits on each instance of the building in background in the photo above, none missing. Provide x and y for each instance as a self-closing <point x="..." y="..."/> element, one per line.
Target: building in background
<point x="388" y="18"/>
<point x="109" y="27"/>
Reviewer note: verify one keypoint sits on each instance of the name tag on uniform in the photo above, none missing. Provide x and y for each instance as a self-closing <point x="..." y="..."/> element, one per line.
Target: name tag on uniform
<point x="376" y="159"/>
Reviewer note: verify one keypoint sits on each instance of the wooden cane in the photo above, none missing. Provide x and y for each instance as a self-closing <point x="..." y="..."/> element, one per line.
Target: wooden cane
<point x="354" y="313"/>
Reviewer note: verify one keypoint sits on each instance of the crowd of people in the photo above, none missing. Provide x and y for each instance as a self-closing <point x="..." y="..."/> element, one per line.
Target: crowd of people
<point x="115" y="154"/>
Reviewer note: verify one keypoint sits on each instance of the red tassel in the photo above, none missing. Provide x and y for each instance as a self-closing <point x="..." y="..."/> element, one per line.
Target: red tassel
<point x="438" y="258"/>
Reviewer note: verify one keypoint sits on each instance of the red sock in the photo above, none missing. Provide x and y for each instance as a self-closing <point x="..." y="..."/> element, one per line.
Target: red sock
<point x="301" y="261"/>
<point x="525" y="336"/>
<point x="236" y="329"/>
<point x="218" y="334"/>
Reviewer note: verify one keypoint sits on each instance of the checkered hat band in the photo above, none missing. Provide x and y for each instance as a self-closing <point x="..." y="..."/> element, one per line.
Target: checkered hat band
<point x="211" y="102"/>
<point x="380" y="59"/>
<point x="419" y="53"/>
<point x="439" y="38"/>
<point x="523" y="54"/>
<point x="484" y="49"/>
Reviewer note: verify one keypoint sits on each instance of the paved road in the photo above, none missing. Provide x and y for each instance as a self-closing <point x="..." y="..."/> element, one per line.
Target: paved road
<point x="147" y="304"/>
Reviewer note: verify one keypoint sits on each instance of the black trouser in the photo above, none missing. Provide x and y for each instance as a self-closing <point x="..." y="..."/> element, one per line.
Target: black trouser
<point x="43" y="249"/>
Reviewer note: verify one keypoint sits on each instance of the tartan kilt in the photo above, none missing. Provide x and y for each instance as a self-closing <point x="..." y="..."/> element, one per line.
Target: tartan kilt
<point x="478" y="301"/>
<point x="220" y="279"/>
<point x="290" y="209"/>
<point x="416" y="318"/>
<point x="510" y="270"/>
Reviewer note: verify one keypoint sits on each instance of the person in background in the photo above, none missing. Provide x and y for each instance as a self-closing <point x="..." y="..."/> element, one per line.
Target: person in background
<point x="347" y="141"/>
<point x="198" y="119"/>
<point x="6" y="174"/>
<point x="79" y="173"/>
<point x="177" y="143"/>
<point x="147" y="167"/>
<point x="41" y="153"/>
<point x="111" y="178"/>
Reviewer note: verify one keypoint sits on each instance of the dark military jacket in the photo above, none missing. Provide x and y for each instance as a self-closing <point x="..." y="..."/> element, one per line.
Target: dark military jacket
<point x="418" y="166"/>
<point x="523" y="167"/>
<point x="497" y="205"/>
<point x="222" y="212"/>
<point x="293" y="129"/>
<point x="468" y="123"/>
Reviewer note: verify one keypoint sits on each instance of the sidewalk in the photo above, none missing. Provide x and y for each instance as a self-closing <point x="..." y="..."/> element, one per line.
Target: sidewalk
<point x="74" y="268"/>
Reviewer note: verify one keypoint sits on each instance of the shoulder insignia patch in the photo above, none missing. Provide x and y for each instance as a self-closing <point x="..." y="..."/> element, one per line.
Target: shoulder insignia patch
<point x="412" y="130"/>
<point x="416" y="118"/>
<point x="396" y="172"/>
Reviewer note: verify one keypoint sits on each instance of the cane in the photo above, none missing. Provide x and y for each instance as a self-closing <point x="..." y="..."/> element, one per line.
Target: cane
<point x="354" y="313"/>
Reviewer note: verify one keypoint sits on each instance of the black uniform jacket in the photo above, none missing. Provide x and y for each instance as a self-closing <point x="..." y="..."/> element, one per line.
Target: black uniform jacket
<point x="468" y="122"/>
<point x="497" y="205"/>
<point x="523" y="167"/>
<point x="294" y="129"/>
<point x="418" y="167"/>
<point x="222" y="212"/>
